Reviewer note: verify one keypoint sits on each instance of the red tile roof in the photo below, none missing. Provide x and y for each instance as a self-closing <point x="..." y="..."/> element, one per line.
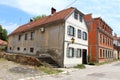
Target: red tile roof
<point x="48" y="19"/>
<point x="3" y="42"/>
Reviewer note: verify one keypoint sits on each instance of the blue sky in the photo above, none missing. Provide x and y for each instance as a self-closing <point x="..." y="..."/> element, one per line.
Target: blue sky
<point x="17" y="12"/>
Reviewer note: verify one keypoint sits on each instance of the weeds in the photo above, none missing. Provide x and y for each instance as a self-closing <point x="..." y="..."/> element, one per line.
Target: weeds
<point x="49" y="70"/>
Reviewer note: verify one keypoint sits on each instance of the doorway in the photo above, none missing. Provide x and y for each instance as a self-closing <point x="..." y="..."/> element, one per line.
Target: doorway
<point x="84" y="56"/>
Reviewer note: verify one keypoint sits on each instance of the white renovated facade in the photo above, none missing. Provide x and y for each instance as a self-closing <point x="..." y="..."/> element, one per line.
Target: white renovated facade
<point x="75" y="53"/>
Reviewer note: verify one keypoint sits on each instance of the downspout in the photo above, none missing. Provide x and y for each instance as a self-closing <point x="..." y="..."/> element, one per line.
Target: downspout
<point x="63" y="45"/>
<point x="97" y="45"/>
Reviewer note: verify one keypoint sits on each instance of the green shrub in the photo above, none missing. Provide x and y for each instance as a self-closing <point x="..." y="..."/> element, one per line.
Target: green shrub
<point x="49" y="70"/>
<point x="80" y="66"/>
<point x="91" y="63"/>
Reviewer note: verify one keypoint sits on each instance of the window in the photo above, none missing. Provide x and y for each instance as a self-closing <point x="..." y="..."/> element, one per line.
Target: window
<point x="32" y="35"/>
<point x="24" y="49"/>
<point x="10" y="48"/>
<point x="70" y="52"/>
<point x="100" y="38"/>
<point x="71" y="31"/>
<point x="81" y="18"/>
<point x="75" y="15"/>
<point x="19" y="37"/>
<point x="103" y="40"/>
<point x="18" y="48"/>
<point x="79" y="33"/>
<point x="26" y="36"/>
<point x="106" y="54"/>
<point x="31" y="49"/>
<point x="101" y="53"/>
<point x="84" y="36"/>
<point x="78" y="55"/>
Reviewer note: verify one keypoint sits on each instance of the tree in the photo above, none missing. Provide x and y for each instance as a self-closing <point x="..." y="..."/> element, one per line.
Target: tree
<point x="3" y="33"/>
<point x="38" y="17"/>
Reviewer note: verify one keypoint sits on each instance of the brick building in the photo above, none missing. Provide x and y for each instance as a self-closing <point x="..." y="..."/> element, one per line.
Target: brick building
<point x="100" y="39"/>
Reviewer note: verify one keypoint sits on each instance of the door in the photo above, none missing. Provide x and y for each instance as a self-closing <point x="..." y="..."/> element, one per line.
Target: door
<point x="84" y="56"/>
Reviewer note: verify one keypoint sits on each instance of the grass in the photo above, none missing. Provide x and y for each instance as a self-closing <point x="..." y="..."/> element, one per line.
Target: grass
<point x="91" y="63"/>
<point x="80" y="66"/>
<point x="49" y="70"/>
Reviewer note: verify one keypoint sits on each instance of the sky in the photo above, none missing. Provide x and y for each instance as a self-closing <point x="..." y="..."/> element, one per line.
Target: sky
<point x="14" y="13"/>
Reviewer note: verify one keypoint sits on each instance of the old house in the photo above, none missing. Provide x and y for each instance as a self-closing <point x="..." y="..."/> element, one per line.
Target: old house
<point x="3" y="44"/>
<point x="100" y="39"/>
<point x="63" y="36"/>
<point x="116" y="42"/>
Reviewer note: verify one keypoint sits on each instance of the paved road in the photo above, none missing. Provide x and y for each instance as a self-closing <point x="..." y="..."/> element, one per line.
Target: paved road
<point x="104" y="72"/>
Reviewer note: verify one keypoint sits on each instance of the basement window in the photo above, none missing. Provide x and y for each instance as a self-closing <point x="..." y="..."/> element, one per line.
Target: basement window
<point x="31" y="49"/>
<point x="24" y="49"/>
<point x="18" y="48"/>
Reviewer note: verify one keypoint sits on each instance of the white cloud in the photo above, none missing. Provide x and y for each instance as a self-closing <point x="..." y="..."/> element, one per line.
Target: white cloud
<point x="36" y="7"/>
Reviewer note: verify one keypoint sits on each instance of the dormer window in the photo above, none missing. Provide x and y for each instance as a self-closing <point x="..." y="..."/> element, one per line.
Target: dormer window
<point x="76" y="15"/>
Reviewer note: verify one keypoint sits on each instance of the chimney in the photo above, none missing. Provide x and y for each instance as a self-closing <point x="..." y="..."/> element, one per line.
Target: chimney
<point x="31" y="20"/>
<point x="53" y="10"/>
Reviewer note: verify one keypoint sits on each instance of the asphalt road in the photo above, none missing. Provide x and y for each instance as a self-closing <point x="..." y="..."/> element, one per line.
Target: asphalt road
<point x="104" y="72"/>
<point x="13" y="71"/>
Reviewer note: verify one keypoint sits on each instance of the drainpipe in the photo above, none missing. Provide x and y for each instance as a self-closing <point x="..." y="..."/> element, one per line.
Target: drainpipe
<point x="97" y="45"/>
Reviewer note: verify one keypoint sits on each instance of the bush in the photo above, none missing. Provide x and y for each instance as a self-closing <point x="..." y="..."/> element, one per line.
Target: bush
<point x="49" y="70"/>
<point x="80" y="66"/>
<point x="91" y="63"/>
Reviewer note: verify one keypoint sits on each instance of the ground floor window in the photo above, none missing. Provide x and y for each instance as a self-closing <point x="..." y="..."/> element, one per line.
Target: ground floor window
<point x="101" y="53"/>
<point x="78" y="54"/>
<point x="70" y="52"/>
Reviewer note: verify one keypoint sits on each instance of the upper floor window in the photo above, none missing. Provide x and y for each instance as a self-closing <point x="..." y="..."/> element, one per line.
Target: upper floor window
<point x="78" y="55"/>
<point x="100" y="38"/>
<point x="71" y="31"/>
<point x="75" y="15"/>
<point x="32" y="35"/>
<point x="81" y="18"/>
<point x="79" y="33"/>
<point x="19" y="37"/>
<point x="84" y="36"/>
<point x="70" y="52"/>
<point x="26" y="36"/>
